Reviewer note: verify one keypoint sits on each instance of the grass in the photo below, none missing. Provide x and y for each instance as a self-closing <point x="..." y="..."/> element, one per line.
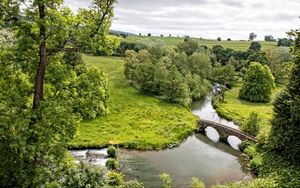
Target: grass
<point x="238" y="110"/>
<point x="135" y="120"/>
<point x="171" y="41"/>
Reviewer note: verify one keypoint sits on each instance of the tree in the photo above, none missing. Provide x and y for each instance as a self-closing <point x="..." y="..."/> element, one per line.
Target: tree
<point x="252" y="36"/>
<point x="174" y="75"/>
<point x="219" y="39"/>
<point x="255" y="46"/>
<point x="285" y="42"/>
<point x="224" y="75"/>
<point x="189" y="46"/>
<point x="258" y="83"/>
<point x="269" y="38"/>
<point x="257" y="57"/>
<point x="34" y="137"/>
<point x="149" y="34"/>
<point x="279" y="62"/>
<point x="284" y="138"/>
<point x="176" y="89"/>
<point x="229" y="39"/>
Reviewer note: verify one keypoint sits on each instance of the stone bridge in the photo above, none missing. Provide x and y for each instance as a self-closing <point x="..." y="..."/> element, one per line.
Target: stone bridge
<point x="224" y="131"/>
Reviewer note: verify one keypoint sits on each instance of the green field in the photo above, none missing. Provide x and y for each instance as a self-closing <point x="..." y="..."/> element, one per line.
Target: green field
<point x="239" y="110"/>
<point x="171" y="41"/>
<point x="135" y="119"/>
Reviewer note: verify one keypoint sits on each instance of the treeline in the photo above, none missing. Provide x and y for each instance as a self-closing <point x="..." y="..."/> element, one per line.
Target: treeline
<point x="186" y="72"/>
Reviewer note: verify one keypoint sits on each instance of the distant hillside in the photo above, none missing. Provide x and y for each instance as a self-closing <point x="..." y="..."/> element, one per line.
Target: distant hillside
<point x="122" y="33"/>
<point x="171" y="41"/>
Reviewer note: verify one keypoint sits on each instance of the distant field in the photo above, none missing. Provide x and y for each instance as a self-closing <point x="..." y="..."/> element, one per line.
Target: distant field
<point x="136" y="120"/>
<point x="171" y="41"/>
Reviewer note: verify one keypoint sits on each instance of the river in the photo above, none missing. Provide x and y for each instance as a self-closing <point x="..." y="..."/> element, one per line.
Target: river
<point x="198" y="156"/>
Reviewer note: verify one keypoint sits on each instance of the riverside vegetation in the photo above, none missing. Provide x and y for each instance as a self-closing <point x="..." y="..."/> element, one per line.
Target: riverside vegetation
<point x="52" y="97"/>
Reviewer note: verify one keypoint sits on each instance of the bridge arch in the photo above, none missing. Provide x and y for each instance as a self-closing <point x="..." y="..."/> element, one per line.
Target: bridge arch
<point x="224" y="131"/>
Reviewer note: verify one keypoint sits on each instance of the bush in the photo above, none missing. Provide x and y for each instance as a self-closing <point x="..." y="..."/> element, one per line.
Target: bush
<point x="114" y="178"/>
<point x="255" y="164"/>
<point x="112" y="164"/>
<point x="196" y="183"/>
<point x="255" y="46"/>
<point x="167" y="181"/>
<point x="258" y="83"/>
<point x="133" y="184"/>
<point x="251" y="126"/>
<point x="244" y="145"/>
<point x="112" y="152"/>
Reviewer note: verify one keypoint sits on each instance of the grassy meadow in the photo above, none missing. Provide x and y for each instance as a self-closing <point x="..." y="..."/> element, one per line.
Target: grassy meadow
<point x="135" y="120"/>
<point x="239" y="110"/>
<point x="171" y="41"/>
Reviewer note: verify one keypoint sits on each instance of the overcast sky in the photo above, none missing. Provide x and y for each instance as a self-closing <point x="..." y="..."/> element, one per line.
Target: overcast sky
<point x="233" y="19"/>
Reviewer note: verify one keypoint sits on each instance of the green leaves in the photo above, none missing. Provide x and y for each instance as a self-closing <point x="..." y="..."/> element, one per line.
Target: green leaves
<point x="175" y="76"/>
<point x="258" y="83"/>
<point x="284" y="137"/>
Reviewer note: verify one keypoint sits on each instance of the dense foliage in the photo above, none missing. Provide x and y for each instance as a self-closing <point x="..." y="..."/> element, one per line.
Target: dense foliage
<point x="175" y="75"/>
<point x="45" y="88"/>
<point x="224" y="75"/>
<point x="280" y="63"/>
<point x="258" y="83"/>
<point x="284" y="138"/>
<point x="124" y="46"/>
<point x="255" y="46"/>
<point x="285" y="42"/>
<point x="251" y="126"/>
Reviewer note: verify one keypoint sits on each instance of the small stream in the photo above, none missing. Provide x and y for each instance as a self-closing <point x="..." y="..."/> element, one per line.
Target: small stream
<point x="198" y="156"/>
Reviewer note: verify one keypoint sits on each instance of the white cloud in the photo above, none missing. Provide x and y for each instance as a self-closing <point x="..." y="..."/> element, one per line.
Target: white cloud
<point x="205" y="18"/>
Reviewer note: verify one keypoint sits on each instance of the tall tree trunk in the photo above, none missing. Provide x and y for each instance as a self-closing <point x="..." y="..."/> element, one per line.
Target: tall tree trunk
<point x="40" y="73"/>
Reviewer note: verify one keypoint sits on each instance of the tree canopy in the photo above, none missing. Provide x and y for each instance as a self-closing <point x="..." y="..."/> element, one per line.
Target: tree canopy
<point x="45" y="88"/>
<point x="258" y="83"/>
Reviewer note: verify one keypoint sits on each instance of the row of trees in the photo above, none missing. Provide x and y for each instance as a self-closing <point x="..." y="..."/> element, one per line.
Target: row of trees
<point x="277" y="59"/>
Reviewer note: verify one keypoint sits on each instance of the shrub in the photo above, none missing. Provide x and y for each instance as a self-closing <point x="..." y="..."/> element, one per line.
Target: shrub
<point x="112" y="164"/>
<point x="244" y="145"/>
<point x="255" y="164"/>
<point x="114" y="178"/>
<point x="196" y="183"/>
<point x="257" y="84"/>
<point x="251" y="126"/>
<point x="133" y="184"/>
<point x="112" y="152"/>
<point x="255" y="46"/>
<point x="166" y="179"/>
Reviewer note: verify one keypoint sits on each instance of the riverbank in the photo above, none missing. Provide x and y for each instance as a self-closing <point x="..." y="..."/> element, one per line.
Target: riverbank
<point x="135" y="120"/>
<point x="272" y="170"/>
<point x="238" y="111"/>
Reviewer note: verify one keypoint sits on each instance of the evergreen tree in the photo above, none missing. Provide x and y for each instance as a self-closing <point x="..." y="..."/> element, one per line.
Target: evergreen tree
<point x="285" y="132"/>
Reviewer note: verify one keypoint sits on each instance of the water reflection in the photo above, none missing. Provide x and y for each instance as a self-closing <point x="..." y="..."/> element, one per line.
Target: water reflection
<point x="198" y="157"/>
<point x="205" y="110"/>
<point x="212" y="134"/>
